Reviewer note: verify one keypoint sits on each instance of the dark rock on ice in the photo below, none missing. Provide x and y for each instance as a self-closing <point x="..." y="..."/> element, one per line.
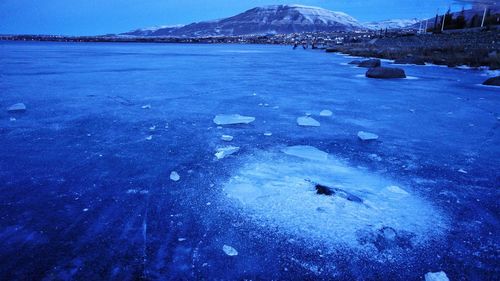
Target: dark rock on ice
<point x="355" y="62"/>
<point x="494" y="81"/>
<point x="385" y="73"/>
<point x="370" y="63"/>
<point x="323" y="190"/>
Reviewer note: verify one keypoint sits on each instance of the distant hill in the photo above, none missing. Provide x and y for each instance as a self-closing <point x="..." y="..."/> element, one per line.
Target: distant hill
<point x="276" y="19"/>
<point x="390" y="24"/>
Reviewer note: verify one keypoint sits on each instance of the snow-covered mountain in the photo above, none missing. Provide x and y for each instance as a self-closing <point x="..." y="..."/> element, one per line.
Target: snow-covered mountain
<point x="390" y="24"/>
<point x="275" y="19"/>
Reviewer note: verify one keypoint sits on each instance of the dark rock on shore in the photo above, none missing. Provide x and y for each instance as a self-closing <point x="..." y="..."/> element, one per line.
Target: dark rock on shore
<point x="355" y="62"/>
<point x="331" y="50"/>
<point x="494" y="81"/>
<point x="410" y="60"/>
<point x="385" y="73"/>
<point x="370" y="63"/>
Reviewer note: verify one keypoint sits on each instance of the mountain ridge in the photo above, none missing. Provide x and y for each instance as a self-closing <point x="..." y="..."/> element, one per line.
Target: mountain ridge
<point x="272" y="19"/>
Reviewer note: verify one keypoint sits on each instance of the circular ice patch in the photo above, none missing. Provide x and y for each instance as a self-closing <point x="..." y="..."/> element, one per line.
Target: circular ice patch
<point x="286" y="189"/>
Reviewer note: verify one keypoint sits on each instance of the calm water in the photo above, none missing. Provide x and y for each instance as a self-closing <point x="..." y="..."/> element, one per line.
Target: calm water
<point x="85" y="192"/>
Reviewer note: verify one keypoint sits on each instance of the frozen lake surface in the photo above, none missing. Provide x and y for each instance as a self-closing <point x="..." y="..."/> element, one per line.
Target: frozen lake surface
<point x="120" y="168"/>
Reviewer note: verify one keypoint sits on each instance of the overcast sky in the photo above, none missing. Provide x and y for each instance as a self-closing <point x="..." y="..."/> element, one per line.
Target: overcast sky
<point x="92" y="17"/>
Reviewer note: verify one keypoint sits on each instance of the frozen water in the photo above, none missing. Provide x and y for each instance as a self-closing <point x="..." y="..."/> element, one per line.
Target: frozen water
<point x="307" y="121"/>
<point x="232" y="119"/>
<point x="81" y="145"/>
<point x="436" y="276"/>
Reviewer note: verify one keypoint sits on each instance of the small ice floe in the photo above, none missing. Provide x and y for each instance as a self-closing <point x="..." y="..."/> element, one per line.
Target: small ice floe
<point x="174" y="176"/>
<point x="12" y="119"/>
<point x="306" y="152"/>
<point x="181" y="239"/>
<point x="223" y="152"/>
<point x="85" y="210"/>
<point x="150" y="137"/>
<point x="436" y="276"/>
<point x="307" y="122"/>
<point x="230" y="251"/>
<point x="462" y="171"/>
<point x="325" y="113"/>
<point x="268" y="134"/>
<point x="231" y="119"/>
<point x="226" y="138"/>
<point x="18" y="107"/>
<point x="366" y="136"/>
<point x="152" y="128"/>
<point x="146" y="106"/>
<point x="397" y="190"/>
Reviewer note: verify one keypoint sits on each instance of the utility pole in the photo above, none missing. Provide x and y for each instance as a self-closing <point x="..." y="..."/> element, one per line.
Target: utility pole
<point x="484" y="16"/>
<point x="444" y="19"/>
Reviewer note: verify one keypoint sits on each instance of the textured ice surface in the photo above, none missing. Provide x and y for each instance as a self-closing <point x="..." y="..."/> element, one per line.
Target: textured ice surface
<point x="81" y="145"/>
<point x="277" y="188"/>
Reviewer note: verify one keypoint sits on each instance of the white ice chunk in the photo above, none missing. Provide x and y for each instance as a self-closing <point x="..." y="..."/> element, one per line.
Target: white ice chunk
<point x="174" y="176"/>
<point x="268" y="134"/>
<point x="307" y="121"/>
<point x="150" y="137"/>
<point x="462" y="171"/>
<point x="326" y="113"/>
<point x="231" y="119"/>
<point x="365" y="136"/>
<point x="436" y="276"/>
<point x="226" y="138"/>
<point x="18" y="107"/>
<point x="147" y="106"/>
<point x="306" y="152"/>
<point x="230" y="251"/>
<point x="397" y="189"/>
<point x="223" y="152"/>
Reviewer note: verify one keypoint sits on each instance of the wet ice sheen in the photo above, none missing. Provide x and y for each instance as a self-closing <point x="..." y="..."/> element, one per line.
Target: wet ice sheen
<point x="278" y="188"/>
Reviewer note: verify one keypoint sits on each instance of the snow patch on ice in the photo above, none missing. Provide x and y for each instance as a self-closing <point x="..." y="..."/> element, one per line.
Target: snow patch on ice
<point x="278" y="190"/>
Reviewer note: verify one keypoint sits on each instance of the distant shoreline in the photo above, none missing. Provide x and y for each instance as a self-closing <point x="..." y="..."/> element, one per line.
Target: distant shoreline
<point x="472" y="49"/>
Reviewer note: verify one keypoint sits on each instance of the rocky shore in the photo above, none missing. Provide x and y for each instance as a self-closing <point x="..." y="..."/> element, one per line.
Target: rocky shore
<point x="474" y="49"/>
